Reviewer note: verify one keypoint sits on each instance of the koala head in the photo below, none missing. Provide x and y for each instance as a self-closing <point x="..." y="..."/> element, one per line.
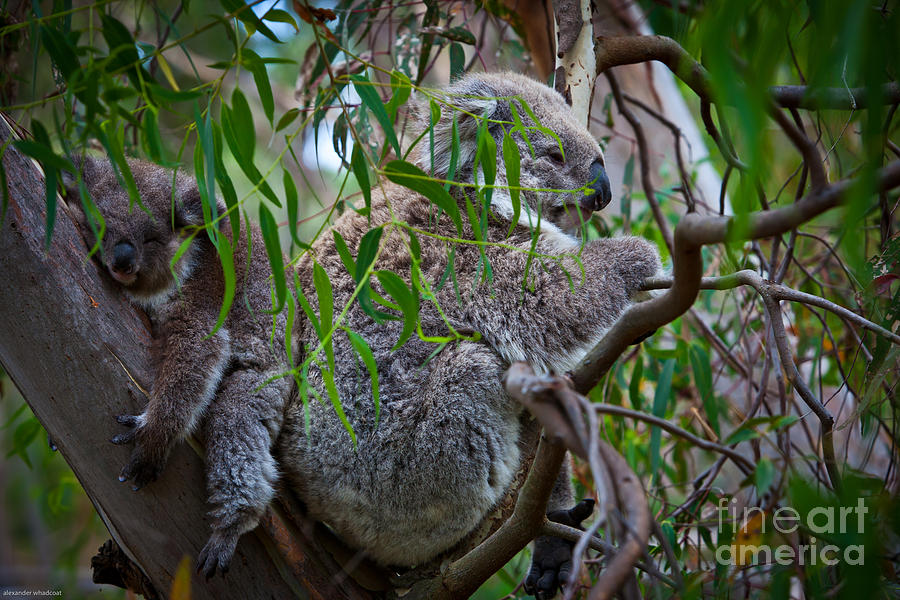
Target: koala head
<point x="566" y="173"/>
<point x="139" y="242"/>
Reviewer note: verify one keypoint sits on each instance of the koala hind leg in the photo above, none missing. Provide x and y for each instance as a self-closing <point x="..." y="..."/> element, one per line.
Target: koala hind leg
<point x="241" y="472"/>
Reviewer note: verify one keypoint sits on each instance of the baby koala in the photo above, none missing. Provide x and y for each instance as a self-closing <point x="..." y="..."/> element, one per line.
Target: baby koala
<point x="219" y="380"/>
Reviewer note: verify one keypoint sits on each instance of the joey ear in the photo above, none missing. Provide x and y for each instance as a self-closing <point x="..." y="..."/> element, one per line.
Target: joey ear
<point x="189" y="207"/>
<point x="87" y="166"/>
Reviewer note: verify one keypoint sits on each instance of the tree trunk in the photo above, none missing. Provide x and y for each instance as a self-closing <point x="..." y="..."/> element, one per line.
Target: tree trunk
<point x="78" y="352"/>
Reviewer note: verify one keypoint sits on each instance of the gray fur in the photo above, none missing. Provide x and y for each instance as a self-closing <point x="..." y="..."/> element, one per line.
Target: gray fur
<point x="215" y="377"/>
<point x="445" y="449"/>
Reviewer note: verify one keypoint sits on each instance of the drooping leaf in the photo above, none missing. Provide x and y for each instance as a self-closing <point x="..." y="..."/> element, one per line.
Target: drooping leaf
<point x="287" y="118"/>
<point x="365" y="353"/>
<point x="325" y="297"/>
<point x="373" y="102"/>
<point x="111" y="138"/>
<point x="406" y="298"/>
<point x="273" y="248"/>
<point x="225" y="184"/>
<point x="307" y="307"/>
<point x="368" y="248"/>
<point x="242" y="125"/>
<point x="457" y="61"/>
<point x="226" y="258"/>
<point x="361" y="172"/>
<point x="61" y="51"/>
<point x="205" y="172"/>
<point x="122" y="50"/>
<point x="257" y="67"/>
<point x="511" y="160"/>
<point x="402" y="87"/>
<point x="328" y="378"/>
<point x="344" y="252"/>
<point x="151" y="138"/>
<point x="660" y="404"/>
<point x="291" y="202"/>
<point x="700" y="367"/>
<point x="246" y="164"/>
<point x="276" y="15"/>
<point x="245" y="15"/>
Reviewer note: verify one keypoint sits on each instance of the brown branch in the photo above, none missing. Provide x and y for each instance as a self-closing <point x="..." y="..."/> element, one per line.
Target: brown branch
<point x="773" y="307"/>
<point x="801" y="96"/>
<point x="693" y="232"/>
<point x="807" y="148"/>
<point x="779" y="292"/>
<point x="628" y="50"/>
<point x="620" y="411"/>
<point x="631" y="500"/>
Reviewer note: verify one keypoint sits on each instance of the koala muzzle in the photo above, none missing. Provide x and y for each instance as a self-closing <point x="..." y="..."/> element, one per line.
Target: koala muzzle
<point x="599" y="183"/>
<point x="124" y="262"/>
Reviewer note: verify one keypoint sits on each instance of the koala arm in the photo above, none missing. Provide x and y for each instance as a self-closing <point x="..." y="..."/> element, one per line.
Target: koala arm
<point x="563" y="308"/>
<point x="189" y="368"/>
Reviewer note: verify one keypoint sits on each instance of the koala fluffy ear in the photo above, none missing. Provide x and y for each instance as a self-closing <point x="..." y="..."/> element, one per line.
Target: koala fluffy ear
<point x="189" y="204"/>
<point x="84" y="164"/>
<point x="470" y="99"/>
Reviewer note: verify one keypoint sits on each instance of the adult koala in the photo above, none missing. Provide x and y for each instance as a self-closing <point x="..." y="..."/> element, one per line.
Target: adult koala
<point x="445" y="446"/>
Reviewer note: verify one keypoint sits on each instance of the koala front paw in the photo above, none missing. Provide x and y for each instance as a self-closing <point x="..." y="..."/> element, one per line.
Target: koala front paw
<point x="551" y="565"/>
<point x="217" y="554"/>
<point x="148" y="458"/>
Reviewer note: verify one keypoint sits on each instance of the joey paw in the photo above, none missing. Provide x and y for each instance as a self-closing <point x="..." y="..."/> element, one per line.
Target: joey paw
<point x="147" y="459"/>
<point x="216" y="554"/>
<point x="551" y="565"/>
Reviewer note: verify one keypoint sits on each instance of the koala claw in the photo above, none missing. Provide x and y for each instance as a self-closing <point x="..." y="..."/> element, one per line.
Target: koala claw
<point x="551" y="566"/>
<point x="216" y="555"/>
<point x="144" y="467"/>
<point x="131" y="421"/>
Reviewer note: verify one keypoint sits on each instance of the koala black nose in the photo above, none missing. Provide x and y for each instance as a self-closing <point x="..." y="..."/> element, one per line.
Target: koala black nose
<point x="599" y="184"/>
<point x="124" y="258"/>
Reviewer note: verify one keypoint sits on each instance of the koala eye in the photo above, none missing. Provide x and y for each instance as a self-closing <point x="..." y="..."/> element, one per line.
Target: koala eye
<point x="152" y="240"/>
<point x="557" y="157"/>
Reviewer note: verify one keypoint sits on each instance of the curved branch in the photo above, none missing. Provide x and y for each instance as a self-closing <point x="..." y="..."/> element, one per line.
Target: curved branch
<point x="611" y="409"/>
<point x="779" y="292"/>
<point x="628" y="50"/>
<point x="691" y="234"/>
<point x="632" y="501"/>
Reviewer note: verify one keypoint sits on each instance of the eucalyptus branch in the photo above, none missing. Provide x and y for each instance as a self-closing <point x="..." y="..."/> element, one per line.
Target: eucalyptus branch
<point x="778" y="292"/>
<point x="691" y="234"/>
<point x="628" y="50"/>
<point x="611" y="409"/>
